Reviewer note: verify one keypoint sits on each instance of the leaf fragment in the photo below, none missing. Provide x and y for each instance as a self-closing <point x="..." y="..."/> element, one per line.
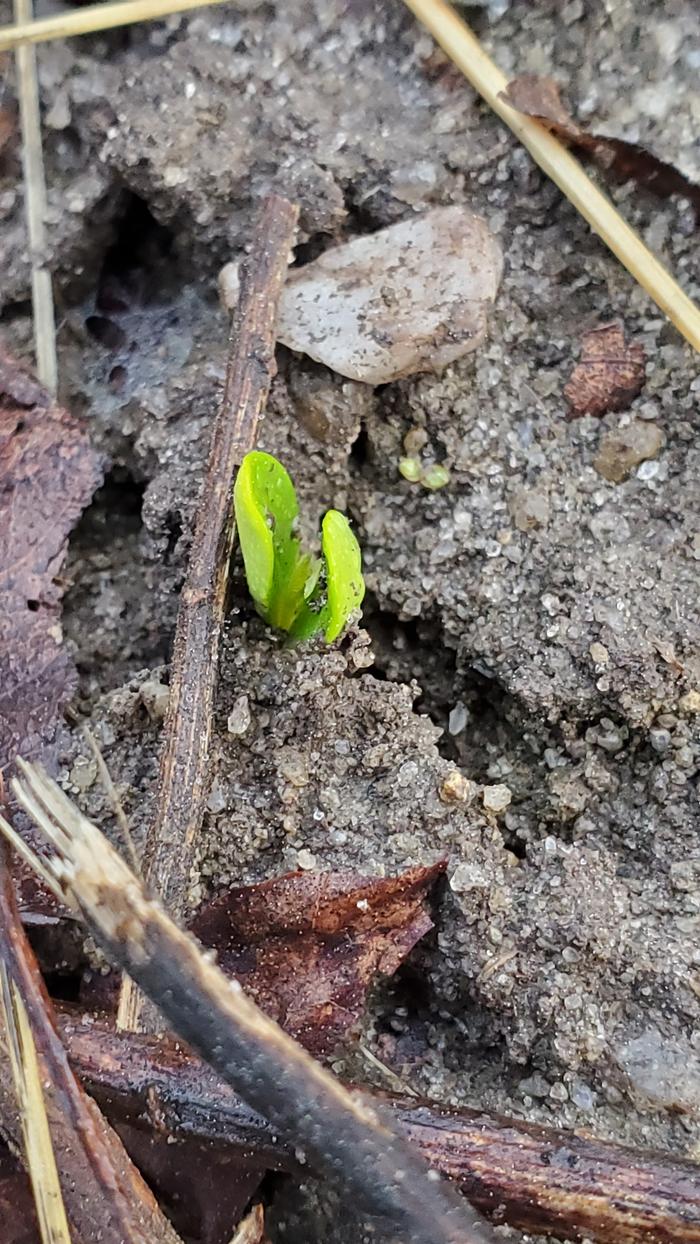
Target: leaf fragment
<point x="307" y="946"/>
<point x="610" y="372"/>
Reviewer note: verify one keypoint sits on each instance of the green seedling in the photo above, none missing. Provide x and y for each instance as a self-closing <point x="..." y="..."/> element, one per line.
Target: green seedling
<point x="293" y="591"/>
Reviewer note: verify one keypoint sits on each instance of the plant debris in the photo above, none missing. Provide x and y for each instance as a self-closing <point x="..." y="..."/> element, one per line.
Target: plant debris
<point x="105" y="1197"/>
<point x="307" y="946"/>
<point x="540" y="97"/>
<point x="407" y="299"/>
<point x="48" y="474"/>
<point x="610" y="372"/>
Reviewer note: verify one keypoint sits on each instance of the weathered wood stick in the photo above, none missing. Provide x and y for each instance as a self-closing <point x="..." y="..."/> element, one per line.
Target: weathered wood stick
<point x="385" y="1182"/>
<point x="539" y="1179"/>
<point x="104" y="1195"/>
<point x="183" y="783"/>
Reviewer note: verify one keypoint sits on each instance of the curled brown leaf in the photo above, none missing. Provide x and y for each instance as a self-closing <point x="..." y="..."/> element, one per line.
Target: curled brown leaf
<point x="307" y="946"/>
<point x="609" y="373"/>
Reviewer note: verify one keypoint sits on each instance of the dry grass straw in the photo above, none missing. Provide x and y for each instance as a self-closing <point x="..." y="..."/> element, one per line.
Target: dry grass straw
<point x="462" y="46"/>
<point x="35" y="207"/>
<point x="92" y="19"/>
<point x="38" y="1148"/>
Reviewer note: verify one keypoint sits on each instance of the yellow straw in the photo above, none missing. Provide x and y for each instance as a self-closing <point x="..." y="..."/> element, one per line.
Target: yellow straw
<point x="96" y="17"/>
<point x="462" y="46"/>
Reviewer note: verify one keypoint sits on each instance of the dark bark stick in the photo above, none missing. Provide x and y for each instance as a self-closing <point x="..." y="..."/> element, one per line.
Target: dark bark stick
<point x="342" y="1138"/>
<point x="538" y="1179"/>
<point x="104" y="1195"/>
<point x="183" y="783"/>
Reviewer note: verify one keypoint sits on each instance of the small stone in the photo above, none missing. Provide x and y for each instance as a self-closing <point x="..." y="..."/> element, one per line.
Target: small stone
<point x="410" y="468"/>
<point x="599" y="654"/>
<point x="559" y="1092"/>
<point x="58" y="116"/>
<point x="415" y="440"/>
<point x="306" y="860"/>
<point x="435" y="477"/>
<point x="497" y="798"/>
<point x="660" y="740"/>
<point x="409" y="298"/>
<point x="458" y="718"/>
<point x="690" y="703"/>
<point x="622" y="450"/>
<point x="83" y="773"/>
<point x="238" y="720"/>
<point x="535" y="1086"/>
<point x="529" y="509"/>
<point x="155" y="697"/>
<point x="455" y="788"/>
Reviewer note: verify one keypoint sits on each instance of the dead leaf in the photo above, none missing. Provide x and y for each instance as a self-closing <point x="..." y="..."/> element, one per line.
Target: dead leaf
<point x="307" y="946"/>
<point x="540" y="98"/>
<point x="609" y="374"/>
<point x="48" y="474"/>
<point x="105" y="1197"/>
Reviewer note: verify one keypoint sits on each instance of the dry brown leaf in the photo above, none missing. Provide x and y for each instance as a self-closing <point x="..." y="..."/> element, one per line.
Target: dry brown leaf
<point x="609" y="374"/>
<point x="105" y="1197"/>
<point x="540" y="98"/>
<point x="48" y="474"/>
<point x="307" y="946"/>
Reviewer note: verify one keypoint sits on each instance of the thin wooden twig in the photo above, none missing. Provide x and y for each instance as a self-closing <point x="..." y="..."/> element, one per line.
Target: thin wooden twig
<point x="35" y="207"/>
<point x="183" y="783"/>
<point x="340" y="1136"/>
<point x="93" y="18"/>
<point x="539" y="1179"/>
<point x="462" y="46"/>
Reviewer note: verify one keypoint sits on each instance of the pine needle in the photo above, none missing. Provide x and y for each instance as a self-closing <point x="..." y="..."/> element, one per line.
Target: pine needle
<point x="462" y="46"/>
<point x="38" y="1148"/>
<point x="94" y="18"/>
<point x="35" y="206"/>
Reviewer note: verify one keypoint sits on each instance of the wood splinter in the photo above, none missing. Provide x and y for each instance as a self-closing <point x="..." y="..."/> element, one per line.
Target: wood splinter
<point x="183" y="784"/>
<point x="340" y="1135"/>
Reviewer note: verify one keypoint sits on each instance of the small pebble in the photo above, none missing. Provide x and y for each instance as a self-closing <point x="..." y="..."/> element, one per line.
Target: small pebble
<point x="455" y="788"/>
<point x="83" y="773"/>
<point x="306" y="859"/>
<point x="690" y="703"/>
<point x="458" y="718"/>
<point x="238" y="720"/>
<point x="599" y="654"/>
<point x="497" y="798"/>
<point x="154" y="697"/>
<point x="625" y="448"/>
<point x="660" y="740"/>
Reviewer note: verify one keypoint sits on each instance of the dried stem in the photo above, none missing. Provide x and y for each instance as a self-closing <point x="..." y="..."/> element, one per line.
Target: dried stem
<point x="95" y="17"/>
<point x="38" y="1148"/>
<point x="183" y="785"/>
<point x="341" y="1137"/>
<point x="35" y="207"/>
<point x="462" y="46"/>
<point x="538" y="1179"/>
<point x="104" y="1196"/>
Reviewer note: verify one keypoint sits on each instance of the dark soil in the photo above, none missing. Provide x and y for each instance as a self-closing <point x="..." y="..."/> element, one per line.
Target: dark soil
<point x="531" y="625"/>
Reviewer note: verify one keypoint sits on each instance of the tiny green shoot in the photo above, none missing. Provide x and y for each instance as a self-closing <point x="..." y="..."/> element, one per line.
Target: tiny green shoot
<point x="293" y="591"/>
